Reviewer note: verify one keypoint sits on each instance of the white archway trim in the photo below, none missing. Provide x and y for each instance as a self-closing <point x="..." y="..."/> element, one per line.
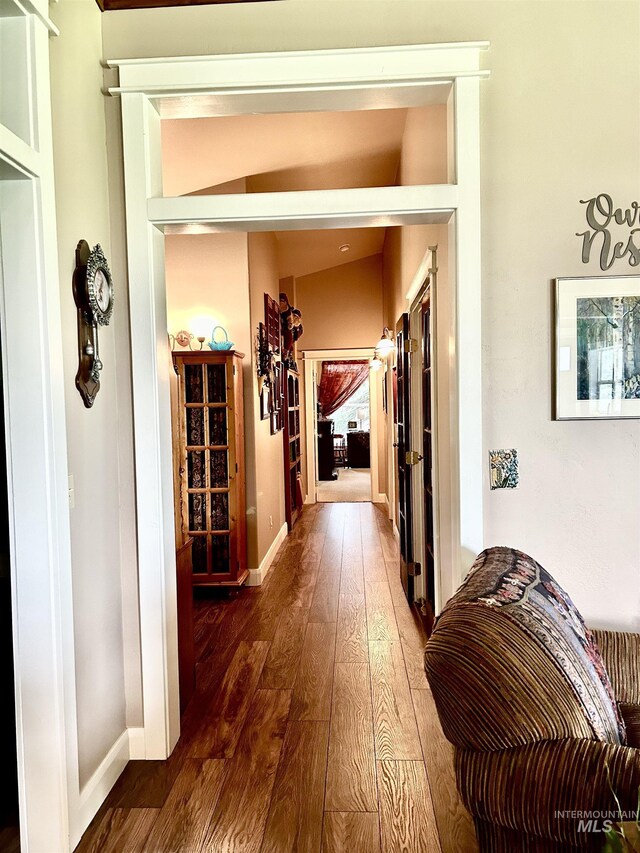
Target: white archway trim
<point x="302" y="80"/>
<point x="36" y="449"/>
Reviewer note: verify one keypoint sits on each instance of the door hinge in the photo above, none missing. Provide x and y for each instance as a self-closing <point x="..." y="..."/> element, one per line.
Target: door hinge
<point x="411" y="345"/>
<point x="414" y="569"/>
<point x="412" y="457"/>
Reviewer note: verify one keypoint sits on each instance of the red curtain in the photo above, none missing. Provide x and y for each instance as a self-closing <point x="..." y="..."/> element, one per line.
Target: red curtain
<point x="339" y="381"/>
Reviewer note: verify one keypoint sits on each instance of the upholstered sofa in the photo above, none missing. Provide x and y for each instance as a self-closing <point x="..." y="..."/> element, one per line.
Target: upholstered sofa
<point x="544" y="714"/>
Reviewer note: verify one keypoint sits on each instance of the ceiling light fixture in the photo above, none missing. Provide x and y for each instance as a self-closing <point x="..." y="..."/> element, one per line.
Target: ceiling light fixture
<point x="386" y="343"/>
<point x="345" y="247"/>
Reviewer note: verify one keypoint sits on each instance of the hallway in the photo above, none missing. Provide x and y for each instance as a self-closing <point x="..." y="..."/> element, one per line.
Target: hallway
<point x="312" y="727"/>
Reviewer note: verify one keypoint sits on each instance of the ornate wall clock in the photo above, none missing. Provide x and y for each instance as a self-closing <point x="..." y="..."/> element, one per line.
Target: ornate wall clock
<point x="93" y="295"/>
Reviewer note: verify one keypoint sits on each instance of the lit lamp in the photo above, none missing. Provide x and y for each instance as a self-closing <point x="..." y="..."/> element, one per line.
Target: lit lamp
<point x="385" y="344"/>
<point x="375" y="363"/>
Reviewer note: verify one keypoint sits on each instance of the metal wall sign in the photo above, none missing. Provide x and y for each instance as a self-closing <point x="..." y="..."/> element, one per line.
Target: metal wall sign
<point x="613" y="231"/>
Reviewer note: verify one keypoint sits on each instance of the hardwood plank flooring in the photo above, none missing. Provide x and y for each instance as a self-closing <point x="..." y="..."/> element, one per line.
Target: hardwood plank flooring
<point x="311" y="729"/>
<point x="219" y="735"/>
<point x="324" y="607"/>
<point x="455" y="826"/>
<point x="238" y="822"/>
<point x="312" y="691"/>
<point x="394" y="722"/>
<point x="351" y="634"/>
<point x="119" y="831"/>
<point x="413" y="638"/>
<point x="295" y="817"/>
<point x="351" y="832"/>
<point x="281" y="665"/>
<point x="186" y="814"/>
<point x="351" y="772"/>
<point x="381" y="618"/>
<point x="407" y="820"/>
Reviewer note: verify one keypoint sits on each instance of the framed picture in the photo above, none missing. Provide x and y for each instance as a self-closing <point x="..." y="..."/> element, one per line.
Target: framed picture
<point x="272" y="323"/>
<point x="265" y="401"/>
<point x="277" y="400"/>
<point x="597" y="358"/>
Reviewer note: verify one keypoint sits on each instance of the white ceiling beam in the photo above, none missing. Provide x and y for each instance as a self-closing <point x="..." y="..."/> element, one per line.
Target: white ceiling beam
<point x="343" y="208"/>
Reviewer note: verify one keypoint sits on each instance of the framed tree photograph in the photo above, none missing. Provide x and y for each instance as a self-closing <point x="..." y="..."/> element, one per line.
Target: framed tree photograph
<point x="597" y="353"/>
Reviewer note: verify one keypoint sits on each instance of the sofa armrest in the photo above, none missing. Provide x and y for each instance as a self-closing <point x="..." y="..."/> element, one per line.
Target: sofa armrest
<point x="547" y="788"/>
<point x="621" y="655"/>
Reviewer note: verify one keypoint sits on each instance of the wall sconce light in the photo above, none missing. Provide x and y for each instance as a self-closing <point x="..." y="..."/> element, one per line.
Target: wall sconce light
<point x="385" y="344"/>
<point x="375" y="363"/>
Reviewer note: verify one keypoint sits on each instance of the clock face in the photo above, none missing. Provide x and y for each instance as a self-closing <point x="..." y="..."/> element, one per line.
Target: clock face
<point x="102" y="290"/>
<point x="99" y="286"/>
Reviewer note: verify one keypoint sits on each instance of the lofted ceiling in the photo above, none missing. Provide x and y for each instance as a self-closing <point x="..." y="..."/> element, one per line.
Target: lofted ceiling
<point x="287" y="152"/>
<point x="283" y="152"/>
<point x="304" y="252"/>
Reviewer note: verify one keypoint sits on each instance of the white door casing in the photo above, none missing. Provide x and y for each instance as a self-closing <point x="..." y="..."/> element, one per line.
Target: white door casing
<point x="343" y="79"/>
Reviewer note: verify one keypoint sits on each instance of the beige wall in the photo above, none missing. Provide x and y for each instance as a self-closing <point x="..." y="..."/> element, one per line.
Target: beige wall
<point x="97" y="528"/>
<point x="342" y="306"/>
<point x="423" y="158"/>
<point x="559" y="124"/>
<point x="207" y="285"/>
<point x="220" y="279"/>
<point x="263" y="278"/>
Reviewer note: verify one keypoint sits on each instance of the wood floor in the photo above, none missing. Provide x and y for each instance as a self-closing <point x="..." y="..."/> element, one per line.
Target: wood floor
<point x="312" y="728"/>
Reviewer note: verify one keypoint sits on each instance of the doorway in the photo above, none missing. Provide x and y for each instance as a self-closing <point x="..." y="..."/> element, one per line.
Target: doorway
<point x="343" y="433"/>
<point x="322" y="446"/>
<point x="313" y="80"/>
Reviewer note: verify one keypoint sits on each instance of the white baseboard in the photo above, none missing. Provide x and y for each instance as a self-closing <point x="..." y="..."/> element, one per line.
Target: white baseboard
<point x="309" y="500"/>
<point x="95" y="791"/>
<point x="136" y="743"/>
<point x="256" y="576"/>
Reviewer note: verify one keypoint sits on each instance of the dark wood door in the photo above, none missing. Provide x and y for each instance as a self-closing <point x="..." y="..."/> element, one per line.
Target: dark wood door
<point x="403" y="423"/>
<point x="427" y="453"/>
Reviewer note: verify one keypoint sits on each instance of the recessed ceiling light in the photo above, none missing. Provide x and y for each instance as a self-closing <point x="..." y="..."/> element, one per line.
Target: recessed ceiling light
<point x="345" y="247"/>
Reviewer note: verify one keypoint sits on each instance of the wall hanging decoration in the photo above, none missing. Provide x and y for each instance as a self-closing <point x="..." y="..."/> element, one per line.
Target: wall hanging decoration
<point x="272" y="323"/>
<point x="292" y="330"/>
<point x="277" y="399"/>
<point x="597" y="358"/>
<point x="93" y="295"/>
<point x="264" y="369"/>
<point x="503" y="468"/>
<point x="612" y="231"/>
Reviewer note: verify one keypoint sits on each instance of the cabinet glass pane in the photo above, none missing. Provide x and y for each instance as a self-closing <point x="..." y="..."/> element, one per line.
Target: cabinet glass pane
<point x="196" y="466"/>
<point x="220" y="511"/>
<point x="195" y="427"/>
<point x="220" y="553"/>
<point x="199" y="554"/>
<point x="197" y="511"/>
<point x="217" y="383"/>
<point x="193" y="389"/>
<point x="217" y="426"/>
<point x="219" y="474"/>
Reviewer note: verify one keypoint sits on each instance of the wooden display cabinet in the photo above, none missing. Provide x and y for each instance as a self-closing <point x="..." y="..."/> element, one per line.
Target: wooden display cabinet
<point x="209" y="455"/>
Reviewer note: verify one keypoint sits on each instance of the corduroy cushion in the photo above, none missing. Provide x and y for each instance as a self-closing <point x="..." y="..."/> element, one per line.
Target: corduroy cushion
<point x="510" y="661"/>
<point x="631" y="717"/>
